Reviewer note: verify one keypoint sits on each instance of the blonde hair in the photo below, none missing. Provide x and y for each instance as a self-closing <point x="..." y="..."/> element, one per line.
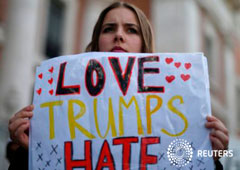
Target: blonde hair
<point x="144" y="24"/>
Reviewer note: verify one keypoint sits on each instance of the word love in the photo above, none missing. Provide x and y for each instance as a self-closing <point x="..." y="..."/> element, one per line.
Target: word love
<point x="73" y="117"/>
<point x="105" y="158"/>
<point x="122" y="77"/>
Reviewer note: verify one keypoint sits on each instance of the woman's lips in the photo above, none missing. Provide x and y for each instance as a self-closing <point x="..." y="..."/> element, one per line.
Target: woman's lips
<point x="118" y="50"/>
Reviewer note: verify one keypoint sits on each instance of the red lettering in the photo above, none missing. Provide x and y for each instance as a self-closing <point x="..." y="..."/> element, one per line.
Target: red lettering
<point x="123" y="79"/>
<point x="144" y="157"/>
<point x="141" y="71"/>
<point x="94" y="89"/>
<point x="61" y="88"/>
<point x="105" y="158"/>
<point x="85" y="163"/>
<point x="126" y="150"/>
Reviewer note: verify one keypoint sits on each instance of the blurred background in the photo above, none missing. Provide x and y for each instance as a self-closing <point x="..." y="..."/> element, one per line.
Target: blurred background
<point x="35" y="30"/>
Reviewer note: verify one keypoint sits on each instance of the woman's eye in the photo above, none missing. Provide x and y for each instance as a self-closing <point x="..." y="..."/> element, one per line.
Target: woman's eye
<point x="107" y="29"/>
<point x="132" y="30"/>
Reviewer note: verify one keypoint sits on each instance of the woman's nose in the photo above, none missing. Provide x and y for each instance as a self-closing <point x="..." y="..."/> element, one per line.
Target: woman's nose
<point x="119" y="36"/>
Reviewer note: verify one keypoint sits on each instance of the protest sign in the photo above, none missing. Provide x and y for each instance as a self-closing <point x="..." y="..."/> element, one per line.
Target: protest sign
<point x="121" y="111"/>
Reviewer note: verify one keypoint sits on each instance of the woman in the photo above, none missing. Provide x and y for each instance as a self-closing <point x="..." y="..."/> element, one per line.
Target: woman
<point x="121" y="27"/>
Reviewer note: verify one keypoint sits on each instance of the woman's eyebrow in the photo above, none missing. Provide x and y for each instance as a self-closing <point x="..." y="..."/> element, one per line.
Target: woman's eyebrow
<point x="114" y="24"/>
<point x="109" y="24"/>
<point x="132" y="24"/>
<point x="136" y="26"/>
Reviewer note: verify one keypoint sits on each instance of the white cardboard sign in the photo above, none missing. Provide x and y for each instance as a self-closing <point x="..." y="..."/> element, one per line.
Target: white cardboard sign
<point x="121" y="111"/>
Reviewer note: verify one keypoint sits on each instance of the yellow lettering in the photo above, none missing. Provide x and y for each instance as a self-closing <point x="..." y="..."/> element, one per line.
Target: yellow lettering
<point x="72" y="119"/>
<point x="51" y="116"/>
<point x="149" y="112"/>
<point x="181" y="115"/>
<point x="139" y="121"/>
<point x="111" y="121"/>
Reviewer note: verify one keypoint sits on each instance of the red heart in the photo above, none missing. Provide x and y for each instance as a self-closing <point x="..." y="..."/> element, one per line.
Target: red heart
<point x="50" y="81"/>
<point x="177" y="64"/>
<point x="187" y="65"/>
<point x="39" y="91"/>
<point x="169" y="60"/>
<point x="185" y="77"/>
<point x="40" y="76"/>
<point x="51" y="69"/>
<point x="51" y="91"/>
<point x="170" y="78"/>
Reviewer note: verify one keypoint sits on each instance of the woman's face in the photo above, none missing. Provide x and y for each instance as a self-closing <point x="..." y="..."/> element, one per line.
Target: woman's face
<point x="120" y="32"/>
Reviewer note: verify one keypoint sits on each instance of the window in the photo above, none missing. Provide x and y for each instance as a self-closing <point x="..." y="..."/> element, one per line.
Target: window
<point x="54" y="38"/>
<point x="208" y="51"/>
<point x="211" y="45"/>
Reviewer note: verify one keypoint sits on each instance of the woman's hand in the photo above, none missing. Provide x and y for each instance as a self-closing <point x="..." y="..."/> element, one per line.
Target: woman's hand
<point x="219" y="135"/>
<point x="18" y="126"/>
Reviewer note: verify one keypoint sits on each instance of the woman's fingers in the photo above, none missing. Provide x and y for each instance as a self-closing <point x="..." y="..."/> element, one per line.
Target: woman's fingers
<point x="213" y="119"/>
<point x="21" y="136"/>
<point x="19" y="124"/>
<point x="15" y="125"/>
<point x="214" y="123"/>
<point x="22" y="113"/>
<point x="217" y="126"/>
<point x="216" y="144"/>
<point x="219" y="135"/>
<point x="18" y="120"/>
<point x="222" y="139"/>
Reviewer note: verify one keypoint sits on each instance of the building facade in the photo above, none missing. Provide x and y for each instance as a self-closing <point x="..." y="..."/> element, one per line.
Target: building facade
<point x="32" y="31"/>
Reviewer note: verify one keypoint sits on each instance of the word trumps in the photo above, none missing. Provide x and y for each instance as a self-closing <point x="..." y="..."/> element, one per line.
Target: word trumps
<point x="73" y="117"/>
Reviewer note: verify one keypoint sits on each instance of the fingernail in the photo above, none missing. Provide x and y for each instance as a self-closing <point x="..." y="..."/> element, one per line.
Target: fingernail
<point x="30" y="107"/>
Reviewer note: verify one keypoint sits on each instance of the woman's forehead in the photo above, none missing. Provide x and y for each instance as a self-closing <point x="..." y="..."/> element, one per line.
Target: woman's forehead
<point x="122" y="15"/>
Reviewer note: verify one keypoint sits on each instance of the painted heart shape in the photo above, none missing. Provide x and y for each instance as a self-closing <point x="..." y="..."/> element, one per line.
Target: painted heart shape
<point x="187" y="65"/>
<point x="185" y="77"/>
<point x="40" y="76"/>
<point x="51" y="91"/>
<point x="51" y="69"/>
<point x="177" y="64"/>
<point x="50" y="81"/>
<point x="170" y="78"/>
<point x="39" y="91"/>
<point x="169" y="60"/>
